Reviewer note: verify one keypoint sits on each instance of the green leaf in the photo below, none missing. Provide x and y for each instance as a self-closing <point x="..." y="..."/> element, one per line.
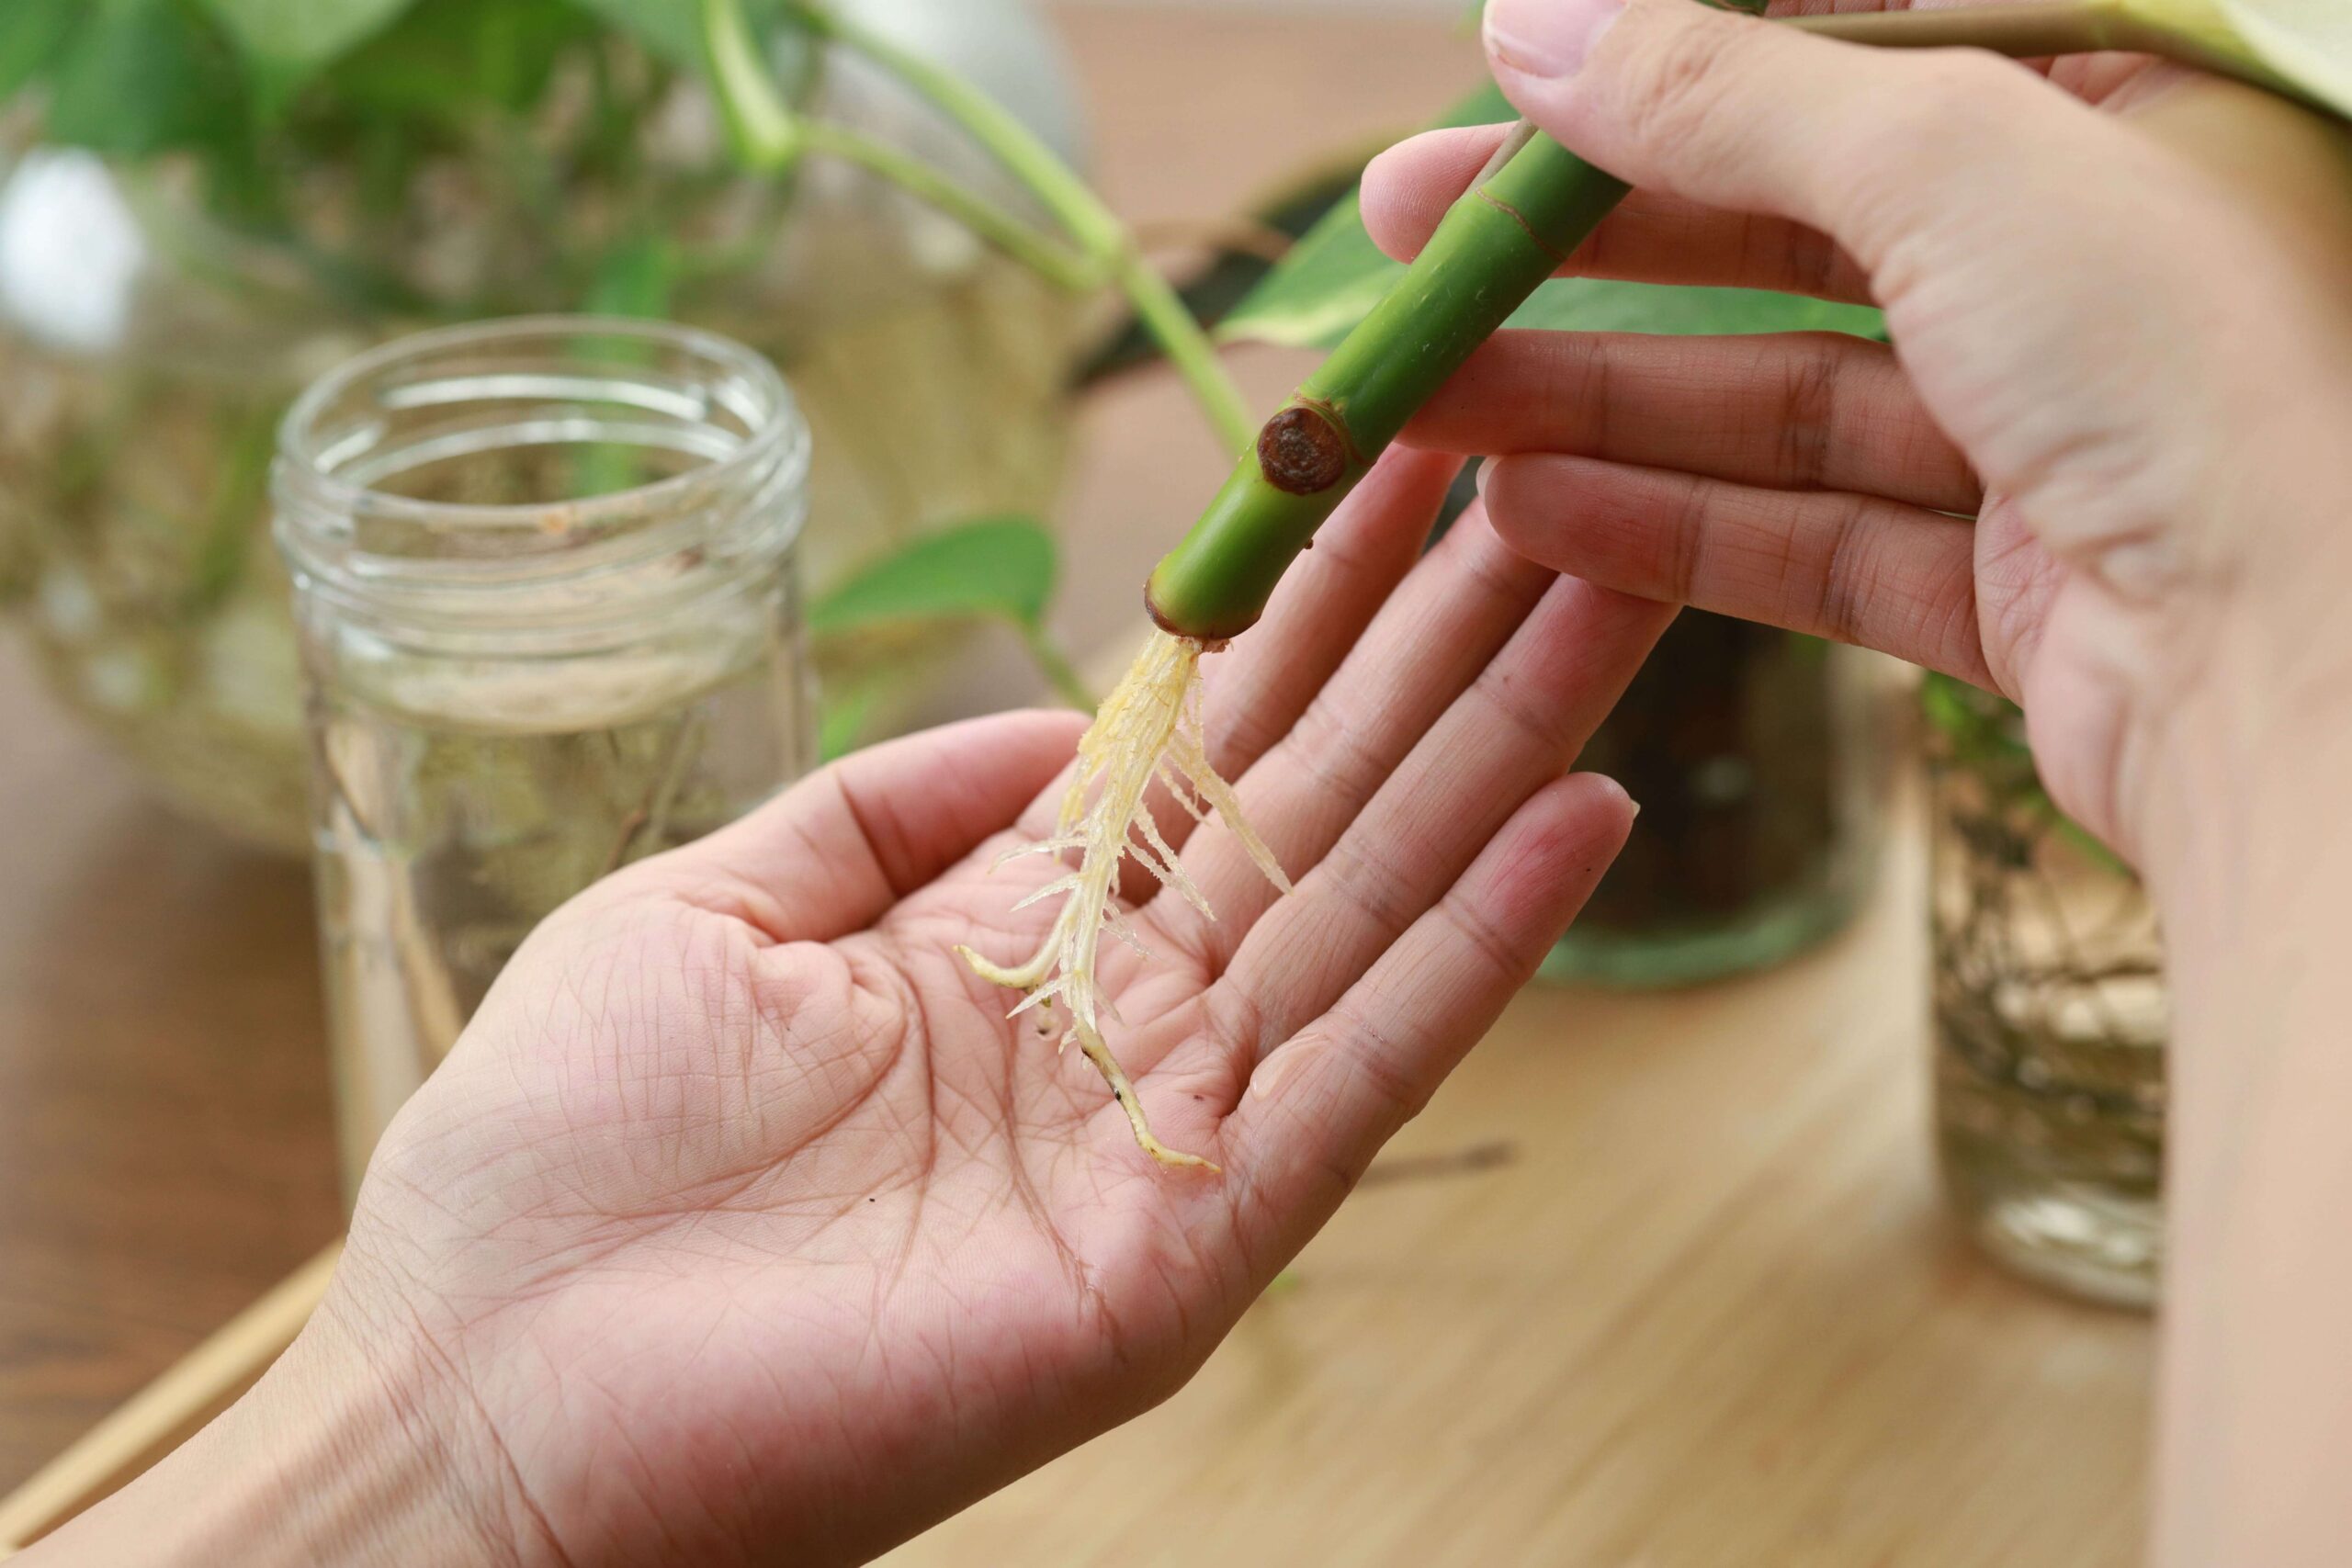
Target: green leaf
<point x="291" y="39"/>
<point x="1982" y="734"/>
<point x="1320" y="291"/>
<point x="2091" y="846"/>
<point x="1002" y="567"/>
<point x="441" y="59"/>
<point x="841" y="720"/>
<point x="1333" y="278"/>
<point x="1606" y="305"/>
<point x="1335" y="275"/>
<point x="143" y="77"/>
<point x="632" y="280"/>
<point x="31" y="33"/>
<point x="671" y="29"/>
<point x="1977" y="725"/>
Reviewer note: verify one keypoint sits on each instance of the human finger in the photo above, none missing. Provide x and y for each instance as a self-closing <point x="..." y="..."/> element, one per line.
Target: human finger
<point x="1791" y="411"/>
<point x="1851" y="568"/>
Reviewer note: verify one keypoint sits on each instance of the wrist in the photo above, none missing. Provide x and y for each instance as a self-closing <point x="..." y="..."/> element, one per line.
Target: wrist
<point x="349" y="1453"/>
<point x="2237" y="813"/>
<point x="2250" y="865"/>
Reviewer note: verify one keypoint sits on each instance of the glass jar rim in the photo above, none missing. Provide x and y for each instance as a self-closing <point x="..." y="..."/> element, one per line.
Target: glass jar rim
<point x="778" y="433"/>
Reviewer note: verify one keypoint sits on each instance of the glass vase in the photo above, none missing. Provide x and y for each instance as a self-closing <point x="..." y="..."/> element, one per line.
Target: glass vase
<point x="2051" y="1017"/>
<point x="544" y="578"/>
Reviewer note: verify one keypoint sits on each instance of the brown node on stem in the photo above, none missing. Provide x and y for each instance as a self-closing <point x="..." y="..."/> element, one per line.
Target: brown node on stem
<point x="1302" y="451"/>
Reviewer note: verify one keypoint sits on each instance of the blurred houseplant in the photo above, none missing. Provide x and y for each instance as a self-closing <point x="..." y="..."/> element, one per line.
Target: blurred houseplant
<point x="204" y="203"/>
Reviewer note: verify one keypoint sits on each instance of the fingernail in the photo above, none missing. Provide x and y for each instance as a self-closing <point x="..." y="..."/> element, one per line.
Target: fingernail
<point x="1546" y="37"/>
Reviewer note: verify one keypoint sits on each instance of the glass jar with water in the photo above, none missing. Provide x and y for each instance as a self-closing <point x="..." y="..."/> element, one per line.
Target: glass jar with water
<point x="2051" y="1017"/>
<point x="544" y="584"/>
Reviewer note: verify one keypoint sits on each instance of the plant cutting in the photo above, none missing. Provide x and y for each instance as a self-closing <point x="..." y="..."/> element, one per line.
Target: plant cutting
<point x="1521" y="217"/>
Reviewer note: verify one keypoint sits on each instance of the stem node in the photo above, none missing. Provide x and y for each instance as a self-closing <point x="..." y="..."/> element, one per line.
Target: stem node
<point x="1302" y="450"/>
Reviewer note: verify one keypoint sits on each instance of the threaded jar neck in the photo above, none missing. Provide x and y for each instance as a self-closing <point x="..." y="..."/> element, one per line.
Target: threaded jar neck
<point x="547" y="479"/>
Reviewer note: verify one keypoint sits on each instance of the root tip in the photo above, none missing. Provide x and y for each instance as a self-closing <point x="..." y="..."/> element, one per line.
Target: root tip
<point x="1177" y="1160"/>
<point x="993" y="973"/>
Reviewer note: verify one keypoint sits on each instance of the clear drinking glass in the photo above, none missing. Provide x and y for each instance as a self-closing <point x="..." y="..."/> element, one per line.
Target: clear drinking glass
<point x="544" y="585"/>
<point x="2051" y="1017"/>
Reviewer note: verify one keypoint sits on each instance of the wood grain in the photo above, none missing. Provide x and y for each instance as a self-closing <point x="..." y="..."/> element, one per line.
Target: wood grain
<point x="168" y="1411"/>
<point x="166" y="1152"/>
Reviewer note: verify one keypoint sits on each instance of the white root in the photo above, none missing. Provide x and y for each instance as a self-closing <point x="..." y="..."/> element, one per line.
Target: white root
<point x="1149" y="728"/>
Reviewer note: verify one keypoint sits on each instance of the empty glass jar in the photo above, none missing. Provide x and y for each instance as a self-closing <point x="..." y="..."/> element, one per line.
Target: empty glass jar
<point x="544" y="586"/>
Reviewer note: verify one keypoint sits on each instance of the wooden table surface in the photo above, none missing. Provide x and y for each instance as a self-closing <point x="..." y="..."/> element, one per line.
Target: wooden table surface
<point x="1706" y="1312"/>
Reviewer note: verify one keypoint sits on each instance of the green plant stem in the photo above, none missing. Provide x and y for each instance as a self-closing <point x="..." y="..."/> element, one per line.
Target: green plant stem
<point x="1055" y="261"/>
<point x="1060" y="672"/>
<point x="767" y="135"/>
<point x="1163" y="313"/>
<point x="761" y="127"/>
<point x="1501" y="239"/>
<point x="1095" y="230"/>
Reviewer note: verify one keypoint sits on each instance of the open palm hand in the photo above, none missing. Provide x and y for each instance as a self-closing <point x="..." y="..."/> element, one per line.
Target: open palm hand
<point x="743" y="1223"/>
